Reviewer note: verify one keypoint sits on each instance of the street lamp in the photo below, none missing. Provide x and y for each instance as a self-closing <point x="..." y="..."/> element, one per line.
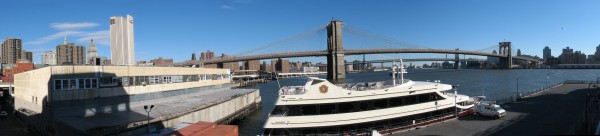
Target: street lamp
<point x="455" y="97"/>
<point x="597" y="86"/>
<point x="518" y="95"/>
<point x="148" y="111"/>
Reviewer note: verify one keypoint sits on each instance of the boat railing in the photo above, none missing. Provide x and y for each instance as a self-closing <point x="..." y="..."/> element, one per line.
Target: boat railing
<point x="292" y="90"/>
<point x="364" y="86"/>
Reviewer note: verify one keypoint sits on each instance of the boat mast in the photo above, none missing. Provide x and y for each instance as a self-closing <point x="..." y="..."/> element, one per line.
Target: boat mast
<point x="394" y="72"/>
<point x="401" y="72"/>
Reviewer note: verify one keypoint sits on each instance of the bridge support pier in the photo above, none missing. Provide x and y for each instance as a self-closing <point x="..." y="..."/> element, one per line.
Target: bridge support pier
<point x="457" y="60"/>
<point x="505" y="48"/>
<point x="335" y="58"/>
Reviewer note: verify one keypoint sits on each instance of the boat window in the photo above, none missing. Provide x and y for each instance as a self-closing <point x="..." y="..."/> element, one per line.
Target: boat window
<point x="327" y="109"/>
<point x="309" y="110"/>
<point x="345" y="107"/>
<point x="316" y="82"/>
<point x="363" y="106"/>
<point x="398" y="101"/>
<point x="410" y="100"/>
<point x="294" y="110"/>
<point x="380" y="104"/>
<point x="424" y="98"/>
<point x="280" y="110"/>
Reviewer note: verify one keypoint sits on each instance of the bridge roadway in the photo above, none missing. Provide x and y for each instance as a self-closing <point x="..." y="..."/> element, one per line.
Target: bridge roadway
<point x="418" y="59"/>
<point x="355" y="52"/>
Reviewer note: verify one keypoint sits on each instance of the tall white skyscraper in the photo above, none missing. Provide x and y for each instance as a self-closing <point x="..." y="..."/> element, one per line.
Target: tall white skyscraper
<point x="121" y="40"/>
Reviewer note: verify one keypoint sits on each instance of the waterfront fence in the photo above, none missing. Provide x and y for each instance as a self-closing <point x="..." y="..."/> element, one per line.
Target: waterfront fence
<point x="535" y="91"/>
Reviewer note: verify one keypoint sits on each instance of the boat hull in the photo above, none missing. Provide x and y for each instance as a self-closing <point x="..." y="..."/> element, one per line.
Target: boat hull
<point x="388" y="126"/>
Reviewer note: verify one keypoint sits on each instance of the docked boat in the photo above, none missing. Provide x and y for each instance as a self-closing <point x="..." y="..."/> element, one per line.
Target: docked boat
<point x="320" y="107"/>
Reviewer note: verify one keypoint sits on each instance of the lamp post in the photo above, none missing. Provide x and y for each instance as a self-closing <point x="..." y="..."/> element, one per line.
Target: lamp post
<point x="597" y="86"/>
<point x="148" y="111"/>
<point x="518" y="95"/>
<point x="587" y="108"/>
<point x="455" y="97"/>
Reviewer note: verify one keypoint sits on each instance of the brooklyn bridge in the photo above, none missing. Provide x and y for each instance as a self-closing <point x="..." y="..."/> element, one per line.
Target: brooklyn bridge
<point x="336" y="53"/>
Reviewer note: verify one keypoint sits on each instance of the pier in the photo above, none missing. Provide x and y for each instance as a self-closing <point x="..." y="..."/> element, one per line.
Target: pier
<point x="255" y="77"/>
<point x="554" y="111"/>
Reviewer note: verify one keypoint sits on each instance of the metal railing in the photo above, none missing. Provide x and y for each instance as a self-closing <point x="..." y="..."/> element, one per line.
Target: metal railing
<point x="523" y="94"/>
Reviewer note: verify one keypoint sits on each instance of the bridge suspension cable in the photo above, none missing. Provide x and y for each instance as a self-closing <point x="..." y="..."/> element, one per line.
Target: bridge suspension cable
<point x="285" y="40"/>
<point x="368" y="34"/>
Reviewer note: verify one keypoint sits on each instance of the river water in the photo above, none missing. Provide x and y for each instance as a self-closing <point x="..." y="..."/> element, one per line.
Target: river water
<point x="491" y="83"/>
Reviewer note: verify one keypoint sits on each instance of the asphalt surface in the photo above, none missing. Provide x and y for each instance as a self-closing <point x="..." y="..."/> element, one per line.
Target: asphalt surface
<point x="11" y="126"/>
<point x="558" y="111"/>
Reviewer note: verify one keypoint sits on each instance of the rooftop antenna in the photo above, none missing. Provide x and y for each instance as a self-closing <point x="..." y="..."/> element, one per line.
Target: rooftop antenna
<point x="65" y="42"/>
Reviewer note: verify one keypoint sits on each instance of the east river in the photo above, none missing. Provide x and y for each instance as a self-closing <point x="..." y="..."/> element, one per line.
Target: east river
<point x="493" y="83"/>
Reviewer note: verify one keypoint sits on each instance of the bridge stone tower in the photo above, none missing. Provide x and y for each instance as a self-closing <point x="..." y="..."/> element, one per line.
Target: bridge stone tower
<point x="335" y="58"/>
<point x="505" y="48"/>
<point x="457" y="60"/>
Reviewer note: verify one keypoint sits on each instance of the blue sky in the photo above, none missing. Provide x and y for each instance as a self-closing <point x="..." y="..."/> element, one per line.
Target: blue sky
<point x="175" y="29"/>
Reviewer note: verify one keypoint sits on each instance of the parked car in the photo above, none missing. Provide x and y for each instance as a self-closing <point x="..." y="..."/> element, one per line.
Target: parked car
<point x="3" y="114"/>
<point x="488" y="108"/>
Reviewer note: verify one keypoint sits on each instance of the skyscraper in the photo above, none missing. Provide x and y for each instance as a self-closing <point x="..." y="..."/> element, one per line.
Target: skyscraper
<point x="68" y="53"/>
<point x="92" y="51"/>
<point x="547" y="53"/>
<point x="207" y="55"/>
<point x="121" y="40"/>
<point x="49" y="58"/>
<point x="27" y="55"/>
<point x="11" y="50"/>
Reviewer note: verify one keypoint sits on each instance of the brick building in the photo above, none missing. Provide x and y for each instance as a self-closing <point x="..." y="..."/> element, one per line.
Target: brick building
<point x="10" y="70"/>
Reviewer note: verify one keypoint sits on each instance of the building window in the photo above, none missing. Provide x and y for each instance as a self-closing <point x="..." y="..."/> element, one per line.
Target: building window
<point x="65" y="84"/>
<point x="108" y="81"/>
<point x="154" y="80"/>
<point x="125" y="81"/>
<point x="73" y="83"/>
<point x="166" y="79"/>
<point x="82" y="83"/>
<point x="88" y="83"/>
<point x="57" y="84"/>
<point x="94" y="83"/>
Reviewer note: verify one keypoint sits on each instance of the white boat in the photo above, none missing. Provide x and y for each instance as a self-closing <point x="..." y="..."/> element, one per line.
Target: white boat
<point x="320" y="107"/>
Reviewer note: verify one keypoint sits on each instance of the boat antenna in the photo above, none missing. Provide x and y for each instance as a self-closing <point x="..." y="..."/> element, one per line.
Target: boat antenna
<point x="402" y="71"/>
<point x="277" y="78"/>
<point x="482" y="91"/>
<point x="394" y="72"/>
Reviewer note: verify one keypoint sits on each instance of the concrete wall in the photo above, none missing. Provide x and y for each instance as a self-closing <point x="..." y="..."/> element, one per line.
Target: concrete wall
<point x="32" y="87"/>
<point x="34" y="93"/>
<point x="31" y="84"/>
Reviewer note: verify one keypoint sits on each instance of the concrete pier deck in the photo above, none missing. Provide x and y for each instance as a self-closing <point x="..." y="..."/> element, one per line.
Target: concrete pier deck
<point x="557" y="111"/>
<point x="220" y="105"/>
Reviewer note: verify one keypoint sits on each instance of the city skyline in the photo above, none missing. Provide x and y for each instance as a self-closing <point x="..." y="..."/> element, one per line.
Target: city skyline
<point x="240" y="25"/>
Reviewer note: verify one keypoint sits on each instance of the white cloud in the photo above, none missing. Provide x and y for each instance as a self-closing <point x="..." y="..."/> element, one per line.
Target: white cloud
<point x="53" y="37"/>
<point x="71" y="26"/>
<point x="100" y="37"/>
<point x="227" y="7"/>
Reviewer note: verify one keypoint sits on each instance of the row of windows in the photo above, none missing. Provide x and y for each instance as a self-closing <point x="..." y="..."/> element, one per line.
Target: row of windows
<point x="357" y="106"/>
<point x="90" y="83"/>
<point x="77" y="83"/>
